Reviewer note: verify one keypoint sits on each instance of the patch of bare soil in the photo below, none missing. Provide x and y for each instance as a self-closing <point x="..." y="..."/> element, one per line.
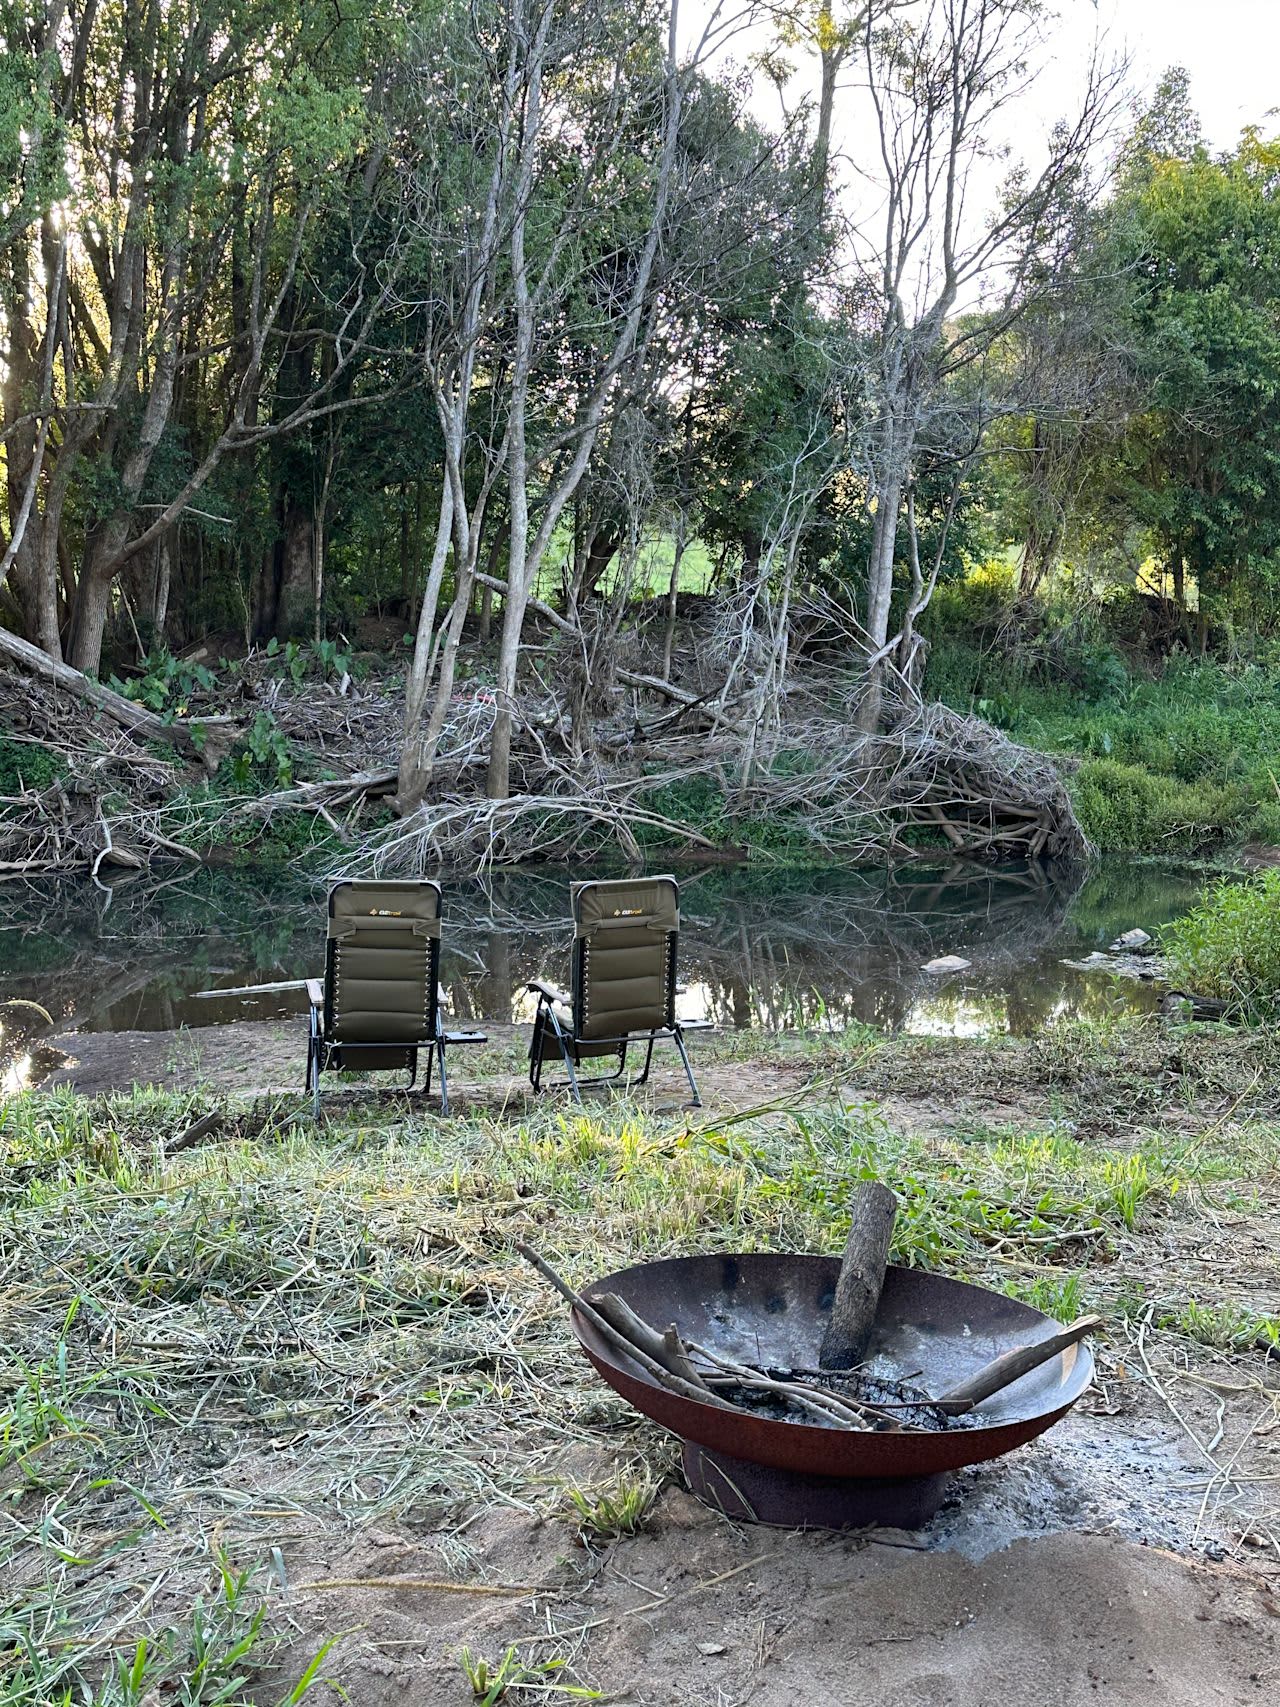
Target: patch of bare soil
<point x="697" y="1611"/>
<point x="253" y="1057"/>
<point x="1174" y="1078"/>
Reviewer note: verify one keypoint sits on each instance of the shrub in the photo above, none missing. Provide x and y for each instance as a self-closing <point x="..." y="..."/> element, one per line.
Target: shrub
<point x="1229" y="946"/>
<point x="1120" y="806"/>
<point x="26" y="764"/>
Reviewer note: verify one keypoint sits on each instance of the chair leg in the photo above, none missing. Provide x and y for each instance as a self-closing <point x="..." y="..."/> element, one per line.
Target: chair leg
<point x="315" y="1064"/>
<point x="573" y="1077"/>
<point x="444" y="1080"/>
<point x="684" y="1056"/>
<point x="567" y="1055"/>
<point x="648" y="1061"/>
<point x="535" y="1050"/>
<point x="413" y="1069"/>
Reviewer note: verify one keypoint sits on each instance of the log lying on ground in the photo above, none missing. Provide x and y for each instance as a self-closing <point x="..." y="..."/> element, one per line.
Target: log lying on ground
<point x="129" y="715"/>
<point x="866" y="1254"/>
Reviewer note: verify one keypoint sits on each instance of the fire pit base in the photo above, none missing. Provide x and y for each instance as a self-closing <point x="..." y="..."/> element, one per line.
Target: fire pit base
<point x="754" y="1493"/>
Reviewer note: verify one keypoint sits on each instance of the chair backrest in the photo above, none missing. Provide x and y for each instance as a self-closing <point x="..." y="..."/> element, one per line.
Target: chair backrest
<point x="625" y="933"/>
<point x="383" y="961"/>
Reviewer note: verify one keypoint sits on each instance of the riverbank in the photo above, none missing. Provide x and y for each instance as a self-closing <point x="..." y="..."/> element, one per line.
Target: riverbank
<point x="312" y="1353"/>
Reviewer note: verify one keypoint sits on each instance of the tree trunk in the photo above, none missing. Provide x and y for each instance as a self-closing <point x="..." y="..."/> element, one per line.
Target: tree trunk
<point x="164" y="580"/>
<point x="1179" y="567"/>
<point x="673" y="596"/>
<point x="415" y="759"/>
<point x="498" y="781"/>
<point x="879" y="600"/>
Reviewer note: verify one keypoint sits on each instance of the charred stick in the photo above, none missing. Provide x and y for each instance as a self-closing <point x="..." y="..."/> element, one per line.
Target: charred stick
<point x="993" y="1377"/>
<point x="866" y="1252"/>
<point x="850" y="1411"/>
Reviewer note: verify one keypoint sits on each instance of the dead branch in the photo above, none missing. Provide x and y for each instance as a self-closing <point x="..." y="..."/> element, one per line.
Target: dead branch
<point x="190" y="738"/>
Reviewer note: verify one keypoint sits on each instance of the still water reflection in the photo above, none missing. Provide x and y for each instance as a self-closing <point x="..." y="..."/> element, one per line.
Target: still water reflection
<point x="766" y="950"/>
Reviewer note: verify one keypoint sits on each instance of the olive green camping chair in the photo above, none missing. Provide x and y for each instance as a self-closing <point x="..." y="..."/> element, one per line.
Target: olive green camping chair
<point x="379" y="1003"/>
<point x="623" y="976"/>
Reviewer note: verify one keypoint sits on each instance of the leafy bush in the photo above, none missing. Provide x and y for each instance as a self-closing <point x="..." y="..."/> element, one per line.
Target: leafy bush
<point x="26" y="764"/>
<point x="262" y="753"/>
<point x="1229" y="946"/>
<point x="1126" y="808"/>
<point x="1119" y="805"/>
<point x="323" y="660"/>
<point x="166" y="682"/>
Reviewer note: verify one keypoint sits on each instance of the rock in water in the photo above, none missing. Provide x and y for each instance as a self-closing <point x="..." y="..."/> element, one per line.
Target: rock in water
<point x="947" y="963"/>
<point x="1132" y="942"/>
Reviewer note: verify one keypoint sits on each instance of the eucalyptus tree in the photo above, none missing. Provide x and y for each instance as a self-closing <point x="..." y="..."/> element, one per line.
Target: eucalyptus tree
<point x="944" y="266"/>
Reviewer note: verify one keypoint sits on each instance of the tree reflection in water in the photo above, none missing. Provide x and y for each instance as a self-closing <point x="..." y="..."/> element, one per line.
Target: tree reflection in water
<point x="761" y="949"/>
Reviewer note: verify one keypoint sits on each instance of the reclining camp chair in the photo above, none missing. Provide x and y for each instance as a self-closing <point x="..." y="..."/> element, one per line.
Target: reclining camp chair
<point x="379" y="1003"/>
<point x="623" y="976"/>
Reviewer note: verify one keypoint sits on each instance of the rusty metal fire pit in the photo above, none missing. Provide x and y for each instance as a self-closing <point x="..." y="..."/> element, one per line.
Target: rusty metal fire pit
<point x="770" y="1310"/>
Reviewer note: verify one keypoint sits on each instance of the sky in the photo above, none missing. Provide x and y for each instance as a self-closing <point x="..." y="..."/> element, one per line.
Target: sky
<point x="1230" y="47"/>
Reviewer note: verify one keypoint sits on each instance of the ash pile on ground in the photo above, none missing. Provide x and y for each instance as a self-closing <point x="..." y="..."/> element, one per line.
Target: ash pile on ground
<point x="1123" y="1481"/>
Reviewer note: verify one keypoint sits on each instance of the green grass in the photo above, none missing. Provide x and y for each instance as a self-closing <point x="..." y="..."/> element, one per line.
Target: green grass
<point x="26" y="764"/>
<point x="1228" y="947"/>
<point x="1180" y="757"/>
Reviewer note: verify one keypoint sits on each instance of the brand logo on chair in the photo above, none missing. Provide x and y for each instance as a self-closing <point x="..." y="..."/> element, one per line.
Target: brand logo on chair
<point x="384" y="913"/>
<point x="627" y="912"/>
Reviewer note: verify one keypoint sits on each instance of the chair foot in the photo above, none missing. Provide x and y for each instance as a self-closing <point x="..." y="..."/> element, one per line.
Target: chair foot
<point x="688" y="1070"/>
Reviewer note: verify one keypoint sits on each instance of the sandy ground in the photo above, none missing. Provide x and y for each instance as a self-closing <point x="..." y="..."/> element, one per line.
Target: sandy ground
<point x="258" y="1056"/>
<point x="695" y="1612"/>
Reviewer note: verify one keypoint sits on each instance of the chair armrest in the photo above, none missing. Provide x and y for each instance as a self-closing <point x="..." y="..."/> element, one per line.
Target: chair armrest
<point x="315" y="992"/>
<point x="697" y="1025"/>
<point x="549" y="991"/>
<point x="466" y="1037"/>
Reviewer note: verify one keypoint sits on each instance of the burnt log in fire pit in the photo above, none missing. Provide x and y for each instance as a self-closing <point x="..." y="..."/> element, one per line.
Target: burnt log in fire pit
<point x="769" y="1311"/>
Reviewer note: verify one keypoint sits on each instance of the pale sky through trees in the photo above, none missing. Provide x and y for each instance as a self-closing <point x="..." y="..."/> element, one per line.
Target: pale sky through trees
<point x="1230" y="48"/>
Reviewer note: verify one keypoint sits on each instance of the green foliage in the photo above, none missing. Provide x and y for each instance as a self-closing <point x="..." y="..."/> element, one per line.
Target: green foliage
<point x="492" y="1681"/>
<point x="1226" y="1327"/>
<point x="612" y="1512"/>
<point x="27" y="765"/>
<point x="217" y="1656"/>
<point x="322" y="661"/>
<point x="1178" y="761"/>
<point x="263" y="753"/>
<point x="166" y="683"/>
<point x="1203" y="238"/>
<point x="1229" y="946"/>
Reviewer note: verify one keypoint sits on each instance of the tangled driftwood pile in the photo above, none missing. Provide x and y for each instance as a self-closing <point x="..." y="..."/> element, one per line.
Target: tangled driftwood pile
<point x="649" y="762"/>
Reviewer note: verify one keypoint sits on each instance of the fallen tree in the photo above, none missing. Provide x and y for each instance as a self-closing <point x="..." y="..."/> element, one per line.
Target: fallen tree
<point x="204" y="739"/>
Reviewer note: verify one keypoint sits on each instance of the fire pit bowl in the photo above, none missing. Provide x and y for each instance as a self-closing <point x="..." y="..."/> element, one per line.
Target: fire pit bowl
<point x="769" y="1309"/>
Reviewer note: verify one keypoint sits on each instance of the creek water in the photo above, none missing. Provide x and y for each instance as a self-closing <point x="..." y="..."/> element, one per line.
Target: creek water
<point x="759" y="949"/>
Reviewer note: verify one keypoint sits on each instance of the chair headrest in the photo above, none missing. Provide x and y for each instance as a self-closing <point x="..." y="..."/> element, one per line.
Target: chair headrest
<point x="634" y="903"/>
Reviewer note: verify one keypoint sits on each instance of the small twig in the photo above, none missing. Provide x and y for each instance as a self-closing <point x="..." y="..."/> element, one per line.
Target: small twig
<point x="424" y="1585"/>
